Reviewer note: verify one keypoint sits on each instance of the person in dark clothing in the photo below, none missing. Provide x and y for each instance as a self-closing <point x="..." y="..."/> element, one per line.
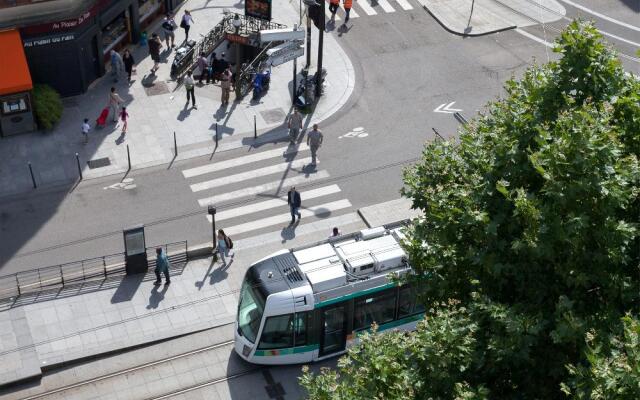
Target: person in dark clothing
<point x="294" y="201"/>
<point x="128" y="61"/>
<point x="154" y="50"/>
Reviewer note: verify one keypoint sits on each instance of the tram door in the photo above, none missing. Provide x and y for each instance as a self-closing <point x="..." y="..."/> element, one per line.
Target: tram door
<point x="334" y="331"/>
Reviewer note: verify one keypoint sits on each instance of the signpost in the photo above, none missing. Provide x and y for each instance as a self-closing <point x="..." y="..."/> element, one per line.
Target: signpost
<point x="285" y="52"/>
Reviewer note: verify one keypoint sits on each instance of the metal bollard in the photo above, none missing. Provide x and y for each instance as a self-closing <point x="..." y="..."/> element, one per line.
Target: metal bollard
<point x="33" y="179"/>
<point x="216" y="134"/>
<point x="129" y="157"/>
<point x="175" y="144"/>
<point x="255" y="129"/>
<point x="79" y="168"/>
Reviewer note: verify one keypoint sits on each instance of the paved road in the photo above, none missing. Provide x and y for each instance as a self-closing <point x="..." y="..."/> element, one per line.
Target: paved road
<point x="406" y="67"/>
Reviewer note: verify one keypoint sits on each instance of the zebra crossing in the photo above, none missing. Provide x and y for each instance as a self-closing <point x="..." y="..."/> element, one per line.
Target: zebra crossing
<point x="374" y="7"/>
<point x="255" y="188"/>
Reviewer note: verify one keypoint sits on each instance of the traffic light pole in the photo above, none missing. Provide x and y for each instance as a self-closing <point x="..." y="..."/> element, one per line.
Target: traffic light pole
<point x="320" y="43"/>
<point x="308" y="40"/>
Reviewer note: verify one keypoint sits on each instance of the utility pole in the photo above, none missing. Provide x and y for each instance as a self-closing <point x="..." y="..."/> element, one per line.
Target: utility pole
<point x="320" y="43"/>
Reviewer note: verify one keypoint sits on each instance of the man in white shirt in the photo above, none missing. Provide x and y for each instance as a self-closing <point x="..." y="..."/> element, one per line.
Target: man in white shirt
<point x="85" y="130"/>
<point x="189" y="84"/>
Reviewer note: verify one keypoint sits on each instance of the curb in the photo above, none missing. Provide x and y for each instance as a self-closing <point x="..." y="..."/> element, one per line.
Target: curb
<point x="446" y="28"/>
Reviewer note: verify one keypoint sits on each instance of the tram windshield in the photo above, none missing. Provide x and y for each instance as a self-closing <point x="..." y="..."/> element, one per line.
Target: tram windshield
<point x="250" y="310"/>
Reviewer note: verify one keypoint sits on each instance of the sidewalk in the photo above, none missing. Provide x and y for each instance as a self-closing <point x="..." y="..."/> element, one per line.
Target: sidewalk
<point x="157" y="110"/>
<point x="45" y="334"/>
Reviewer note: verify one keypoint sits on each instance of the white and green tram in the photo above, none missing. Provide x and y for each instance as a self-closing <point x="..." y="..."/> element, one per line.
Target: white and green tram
<point x="311" y="303"/>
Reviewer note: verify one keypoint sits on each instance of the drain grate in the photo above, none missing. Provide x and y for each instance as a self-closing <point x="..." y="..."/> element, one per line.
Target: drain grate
<point x="273" y="116"/>
<point x="99" y="162"/>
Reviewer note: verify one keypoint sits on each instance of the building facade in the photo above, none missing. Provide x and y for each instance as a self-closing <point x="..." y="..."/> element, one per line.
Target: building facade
<point x="67" y="42"/>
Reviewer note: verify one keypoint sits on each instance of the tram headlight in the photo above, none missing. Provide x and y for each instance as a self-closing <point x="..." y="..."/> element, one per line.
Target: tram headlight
<point x="246" y="350"/>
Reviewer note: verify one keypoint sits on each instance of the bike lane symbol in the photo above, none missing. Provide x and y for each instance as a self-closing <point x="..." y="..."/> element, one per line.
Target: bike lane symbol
<point x="358" y="132"/>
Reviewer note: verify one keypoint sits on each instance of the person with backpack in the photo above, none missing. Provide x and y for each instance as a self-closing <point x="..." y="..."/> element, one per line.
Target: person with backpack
<point x="169" y="26"/>
<point x="224" y="245"/>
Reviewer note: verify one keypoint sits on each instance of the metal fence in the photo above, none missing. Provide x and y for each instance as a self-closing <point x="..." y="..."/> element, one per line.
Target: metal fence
<point x="250" y="27"/>
<point x="80" y="272"/>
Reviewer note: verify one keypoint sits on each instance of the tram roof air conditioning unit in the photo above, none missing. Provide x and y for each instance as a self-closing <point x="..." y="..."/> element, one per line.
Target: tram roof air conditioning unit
<point x="389" y="258"/>
<point x="360" y="264"/>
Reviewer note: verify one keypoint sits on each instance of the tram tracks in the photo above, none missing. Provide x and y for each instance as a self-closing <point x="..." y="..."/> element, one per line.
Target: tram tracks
<point x="148" y="367"/>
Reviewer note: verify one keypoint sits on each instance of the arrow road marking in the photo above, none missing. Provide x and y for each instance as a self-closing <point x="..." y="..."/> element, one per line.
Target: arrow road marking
<point x="446" y="108"/>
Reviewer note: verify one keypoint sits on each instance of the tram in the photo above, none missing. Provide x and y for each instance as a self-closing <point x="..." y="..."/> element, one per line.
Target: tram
<point x="311" y="303"/>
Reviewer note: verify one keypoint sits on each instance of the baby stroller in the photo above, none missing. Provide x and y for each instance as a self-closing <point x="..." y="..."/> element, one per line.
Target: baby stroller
<point x="102" y="119"/>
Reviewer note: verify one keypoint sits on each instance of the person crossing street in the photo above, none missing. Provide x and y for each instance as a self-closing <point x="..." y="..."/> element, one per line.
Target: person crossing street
<point x="333" y="8"/>
<point x="295" y="201"/>
<point x="314" y="141"/>
<point x="295" y="125"/>
<point x="347" y="8"/>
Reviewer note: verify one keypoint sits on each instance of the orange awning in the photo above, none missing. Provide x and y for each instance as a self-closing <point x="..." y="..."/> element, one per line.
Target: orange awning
<point x="15" y="76"/>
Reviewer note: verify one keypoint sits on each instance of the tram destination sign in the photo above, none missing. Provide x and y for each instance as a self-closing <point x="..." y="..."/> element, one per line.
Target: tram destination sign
<point x="258" y="9"/>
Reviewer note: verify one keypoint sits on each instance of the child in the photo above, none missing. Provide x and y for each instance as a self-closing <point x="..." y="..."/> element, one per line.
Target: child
<point x="124" y="116"/>
<point x="85" y="130"/>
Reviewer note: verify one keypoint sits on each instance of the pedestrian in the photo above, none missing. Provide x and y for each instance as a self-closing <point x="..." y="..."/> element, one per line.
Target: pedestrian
<point x="189" y="84"/>
<point x="116" y="65"/>
<point x="347" y="8"/>
<point x="185" y="24"/>
<point x="114" y="102"/>
<point x="154" y="50"/>
<point x="224" y="245"/>
<point x="333" y="8"/>
<point x="223" y="63"/>
<point x="225" y="84"/>
<point x="203" y="64"/>
<point x="214" y="69"/>
<point x="314" y="141"/>
<point x="169" y="26"/>
<point x="335" y="232"/>
<point x="124" y="116"/>
<point x="85" y="130"/>
<point x="295" y="125"/>
<point x="162" y="266"/>
<point x="128" y="60"/>
<point x="294" y="201"/>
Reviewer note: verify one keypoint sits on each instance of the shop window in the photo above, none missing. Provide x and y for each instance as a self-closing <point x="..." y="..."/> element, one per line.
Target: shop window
<point x="277" y="333"/>
<point x="14" y="106"/>
<point x="114" y="33"/>
<point x="407" y="302"/>
<point x="301" y="328"/>
<point x="378" y="307"/>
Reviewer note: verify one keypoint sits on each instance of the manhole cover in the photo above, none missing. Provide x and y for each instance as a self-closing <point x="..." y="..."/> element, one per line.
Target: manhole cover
<point x="156" y="88"/>
<point x="99" y="162"/>
<point x="273" y="116"/>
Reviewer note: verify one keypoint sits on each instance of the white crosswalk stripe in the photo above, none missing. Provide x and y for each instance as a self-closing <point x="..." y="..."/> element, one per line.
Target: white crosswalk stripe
<point x="269" y="204"/>
<point x="405" y="5"/>
<point x="366" y="7"/>
<point x="385" y="6"/>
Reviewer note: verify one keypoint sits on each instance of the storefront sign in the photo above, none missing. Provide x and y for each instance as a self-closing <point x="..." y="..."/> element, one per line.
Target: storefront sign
<point x="67" y="24"/>
<point x="48" y="40"/>
<point x="233" y="38"/>
<point x="258" y="9"/>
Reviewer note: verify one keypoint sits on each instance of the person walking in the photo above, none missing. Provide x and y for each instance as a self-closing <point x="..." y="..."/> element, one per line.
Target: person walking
<point x="347" y="8"/>
<point x="225" y="84"/>
<point x="203" y="64"/>
<point x="85" y="130"/>
<point x="333" y="8"/>
<point x="187" y="21"/>
<point x="335" y="232"/>
<point x="154" y="50"/>
<point x="224" y="245"/>
<point x="314" y="141"/>
<point x="124" y="116"/>
<point x="214" y="69"/>
<point x="189" y="84"/>
<point x="162" y="266"/>
<point x="114" y="102"/>
<point x="294" y="201"/>
<point x="116" y="65"/>
<point x="169" y="26"/>
<point x="295" y="125"/>
<point x="128" y="60"/>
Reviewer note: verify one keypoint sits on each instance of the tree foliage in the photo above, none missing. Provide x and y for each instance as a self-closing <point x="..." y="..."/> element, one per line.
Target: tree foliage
<point x="531" y="224"/>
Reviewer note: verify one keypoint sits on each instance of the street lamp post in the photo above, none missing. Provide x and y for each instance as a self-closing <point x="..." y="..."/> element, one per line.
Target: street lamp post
<point x="211" y="210"/>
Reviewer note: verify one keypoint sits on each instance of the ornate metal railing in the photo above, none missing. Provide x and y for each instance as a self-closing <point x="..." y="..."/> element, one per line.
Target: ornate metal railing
<point x="249" y="28"/>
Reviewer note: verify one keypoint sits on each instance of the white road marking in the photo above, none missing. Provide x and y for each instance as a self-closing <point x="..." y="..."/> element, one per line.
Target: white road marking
<point x="405" y="4"/>
<point x="243" y="176"/>
<point x="353" y="14"/>
<point x="302" y="229"/>
<point x="248" y="159"/>
<point x="605" y="17"/>
<point x="535" y="38"/>
<point x="386" y="6"/>
<point x="237" y="194"/>
<point x="364" y="4"/>
<point x="282" y="218"/>
<point x="278" y="202"/>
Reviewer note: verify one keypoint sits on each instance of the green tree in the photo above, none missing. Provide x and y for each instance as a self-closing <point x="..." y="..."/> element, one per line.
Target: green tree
<point x="47" y="106"/>
<point x="531" y="223"/>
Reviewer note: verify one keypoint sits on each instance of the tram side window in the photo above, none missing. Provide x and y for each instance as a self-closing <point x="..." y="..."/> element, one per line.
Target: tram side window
<point x="301" y="328"/>
<point x="277" y="333"/>
<point x="378" y="307"/>
<point x="407" y="304"/>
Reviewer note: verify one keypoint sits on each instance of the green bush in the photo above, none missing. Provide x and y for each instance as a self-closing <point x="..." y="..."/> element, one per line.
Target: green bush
<point x="47" y="105"/>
